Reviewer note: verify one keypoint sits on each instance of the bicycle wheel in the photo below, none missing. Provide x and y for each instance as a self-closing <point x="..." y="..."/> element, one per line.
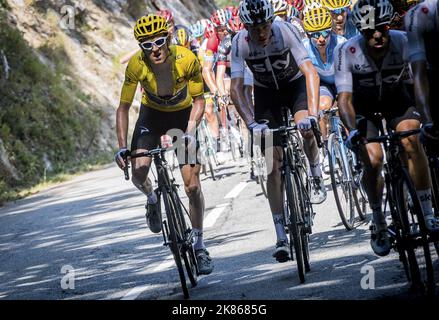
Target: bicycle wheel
<point x="294" y="224"/>
<point x="186" y="249"/>
<point x="305" y="212"/>
<point x="173" y="239"/>
<point x="342" y="188"/>
<point x="412" y="218"/>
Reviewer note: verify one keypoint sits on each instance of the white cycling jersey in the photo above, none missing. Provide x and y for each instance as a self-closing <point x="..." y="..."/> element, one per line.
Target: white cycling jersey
<point x="356" y="72"/>
<point x="275" y="65"/>
<point x="422" y="25"/>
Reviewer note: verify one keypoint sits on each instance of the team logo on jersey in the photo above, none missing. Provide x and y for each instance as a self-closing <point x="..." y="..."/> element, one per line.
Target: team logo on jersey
<point x="361" y="67"/>
<point x="425" y="10"/>
<point x="352" y="50"/>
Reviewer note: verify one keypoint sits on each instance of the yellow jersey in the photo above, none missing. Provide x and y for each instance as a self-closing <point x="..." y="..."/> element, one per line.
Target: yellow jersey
<point x="186" y="74"/>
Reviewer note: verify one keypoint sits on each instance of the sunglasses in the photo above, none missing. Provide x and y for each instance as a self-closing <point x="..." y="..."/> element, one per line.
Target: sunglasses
<point x="381" y="29"/>
<point x="324" y="34"/>
<point x="148" y="45"/>
<point x="339" y="11"/>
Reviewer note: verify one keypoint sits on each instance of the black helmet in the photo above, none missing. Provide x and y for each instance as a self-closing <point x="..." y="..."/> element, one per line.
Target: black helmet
<point x="254" y="12"/>
<point x="368" y="14"/>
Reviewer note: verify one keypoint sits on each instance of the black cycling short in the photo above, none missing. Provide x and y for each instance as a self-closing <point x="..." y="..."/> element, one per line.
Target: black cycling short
<point x="395" y="101"/>
<point x="152" y="124"/>
<point x="269" y="103"/>
<point x="370" y="124"/>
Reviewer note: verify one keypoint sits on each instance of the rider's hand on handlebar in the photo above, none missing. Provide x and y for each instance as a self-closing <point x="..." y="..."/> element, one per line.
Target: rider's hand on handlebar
<point x="353" y="139"/>
<point x="306" y="123"/>
<point x="257" y="128"/>
<point x="120" y="157"/>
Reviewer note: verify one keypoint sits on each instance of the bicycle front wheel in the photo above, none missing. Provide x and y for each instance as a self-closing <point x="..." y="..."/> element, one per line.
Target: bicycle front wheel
<point x="342" y="187"/>
<point x="174" y="238"/>
<point x="294" y="224"/>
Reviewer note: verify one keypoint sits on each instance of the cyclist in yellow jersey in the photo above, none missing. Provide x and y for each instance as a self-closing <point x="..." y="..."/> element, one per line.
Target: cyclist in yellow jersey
<point x="172" y="104"/>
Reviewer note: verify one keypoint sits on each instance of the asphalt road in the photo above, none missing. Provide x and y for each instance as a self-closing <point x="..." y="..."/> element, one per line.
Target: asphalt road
<point x="87" y="239"/>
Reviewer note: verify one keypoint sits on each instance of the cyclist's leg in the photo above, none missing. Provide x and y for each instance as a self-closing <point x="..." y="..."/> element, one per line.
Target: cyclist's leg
<point x="211" y="118"/>
<point x="326" y="101"/>
<point x="146" y="136"/>
<point x="270" y="147"/>
<point x="417" y="161"/>
<point x="372" y="156"/>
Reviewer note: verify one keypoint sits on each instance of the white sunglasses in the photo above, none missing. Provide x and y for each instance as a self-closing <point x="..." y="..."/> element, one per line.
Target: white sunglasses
<point x="148" y="45"/>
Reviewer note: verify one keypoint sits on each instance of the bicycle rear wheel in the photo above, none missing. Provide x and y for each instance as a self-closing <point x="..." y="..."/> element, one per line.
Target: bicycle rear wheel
<point x="412" y="218"/>
<point x="342" y="188"/>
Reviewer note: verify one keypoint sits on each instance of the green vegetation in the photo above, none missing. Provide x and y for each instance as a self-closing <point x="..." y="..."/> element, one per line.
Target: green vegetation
<point x="47" y="125"/>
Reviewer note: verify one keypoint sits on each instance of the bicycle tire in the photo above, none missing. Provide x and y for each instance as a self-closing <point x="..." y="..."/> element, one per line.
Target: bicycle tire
<point x="186" y="250"/>
<point x="190" y="262"/>
<point x="424" y="280"/>
<point x="293" y="225"/>
<point x="336" y="165"/>
<point x="174" y="241"/>
<point x="304" y="208"/>
<point x="396" y="229"/>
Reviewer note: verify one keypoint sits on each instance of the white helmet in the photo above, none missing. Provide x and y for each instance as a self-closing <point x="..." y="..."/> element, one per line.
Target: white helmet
<point x="279" y="6"/>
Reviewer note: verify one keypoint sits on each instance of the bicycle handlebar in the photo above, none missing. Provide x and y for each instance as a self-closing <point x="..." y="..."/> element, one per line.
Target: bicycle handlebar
<point x="392" y="136"/>
<point x="150" y="153"/>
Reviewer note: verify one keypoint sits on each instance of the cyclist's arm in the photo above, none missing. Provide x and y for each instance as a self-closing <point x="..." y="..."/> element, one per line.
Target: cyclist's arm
<point x="346" y="109"/>
<point x="197" y="112"/>
<point x="237" y="93"/>
<point x="126" y="99"/>
<point x="422" y="89"/>
<point x="344" y="84"/>
<point x="196" y="90"/>
<point x="122" y="120"/>
<point x="312" y="86"/>
<point x="242" y="105"/>
<point x="220" y="72"/>
<point x="209" y="75"/>
<point x="416" y="22"/>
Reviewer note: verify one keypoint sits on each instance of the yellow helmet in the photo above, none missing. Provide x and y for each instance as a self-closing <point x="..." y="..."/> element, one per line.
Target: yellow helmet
<point x="181" y="36"/>
<point x="150" y="25"/>
<point x="317" y="19"/>
<point x="336" y="4"/>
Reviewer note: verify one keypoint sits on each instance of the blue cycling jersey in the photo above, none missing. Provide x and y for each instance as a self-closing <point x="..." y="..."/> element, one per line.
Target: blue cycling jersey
<point x="325" y="70"/>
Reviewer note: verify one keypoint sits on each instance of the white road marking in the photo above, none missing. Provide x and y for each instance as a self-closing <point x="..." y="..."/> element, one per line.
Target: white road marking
<point x="236" y="190"/>
<point x="214" y="215"/>
<point x="209" y="221"/>
<point x="135" y="292"/>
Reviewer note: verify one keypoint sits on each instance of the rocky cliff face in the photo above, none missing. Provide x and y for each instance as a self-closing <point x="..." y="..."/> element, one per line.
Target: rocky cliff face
<point x="82" y="42"/>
